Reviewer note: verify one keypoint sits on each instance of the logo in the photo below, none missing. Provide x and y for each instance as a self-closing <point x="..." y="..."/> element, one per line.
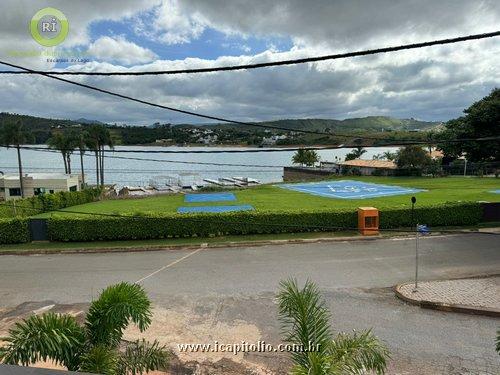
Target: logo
<point x="49" y="27"/>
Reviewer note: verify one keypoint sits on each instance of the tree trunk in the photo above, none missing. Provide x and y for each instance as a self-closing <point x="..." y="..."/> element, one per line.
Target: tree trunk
<point x="68" y="156"/>
<point x="97" y="167"/>
<point x="20" y="164"/>
<point x="65" y="163"/>
<point x="81" y="168"/>
<point x="102" y="165"/>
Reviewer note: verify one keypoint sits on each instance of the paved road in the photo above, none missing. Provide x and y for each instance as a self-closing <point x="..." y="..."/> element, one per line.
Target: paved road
<point x="238" y="283"/>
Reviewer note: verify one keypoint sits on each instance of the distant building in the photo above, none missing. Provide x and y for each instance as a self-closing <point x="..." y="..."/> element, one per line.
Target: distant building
<point x="365" y="167"/>
<point x="36" y="184"/>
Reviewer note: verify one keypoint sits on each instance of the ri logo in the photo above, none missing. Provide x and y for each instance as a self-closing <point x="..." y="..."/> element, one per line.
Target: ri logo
<point x="49" y="27"/>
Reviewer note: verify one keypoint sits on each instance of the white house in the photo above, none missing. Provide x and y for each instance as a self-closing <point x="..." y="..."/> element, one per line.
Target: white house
<point x="36" y="184"/>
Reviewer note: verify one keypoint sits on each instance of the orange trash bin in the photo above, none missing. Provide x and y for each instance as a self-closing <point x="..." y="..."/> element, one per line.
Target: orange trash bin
<point x="368" y="221"/>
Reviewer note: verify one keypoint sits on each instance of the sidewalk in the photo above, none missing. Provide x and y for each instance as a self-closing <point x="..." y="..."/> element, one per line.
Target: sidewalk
<point x="473" y="295"/>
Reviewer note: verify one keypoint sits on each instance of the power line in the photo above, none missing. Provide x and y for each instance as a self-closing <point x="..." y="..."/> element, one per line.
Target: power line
<point x="221" y="119"/>
<point x="273" y="63"/>
<point x="211" y="219"/>
<point x="285" y="149"/>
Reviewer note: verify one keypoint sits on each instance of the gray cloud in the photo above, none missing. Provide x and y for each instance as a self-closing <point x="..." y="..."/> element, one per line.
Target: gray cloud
<point x="432" y="84"/>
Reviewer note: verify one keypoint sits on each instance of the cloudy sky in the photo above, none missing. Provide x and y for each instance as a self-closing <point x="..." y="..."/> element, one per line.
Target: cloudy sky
<point x="433" y="83"/>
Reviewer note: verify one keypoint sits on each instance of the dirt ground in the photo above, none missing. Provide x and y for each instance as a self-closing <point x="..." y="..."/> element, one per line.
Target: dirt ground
<point x="188" y="323"/>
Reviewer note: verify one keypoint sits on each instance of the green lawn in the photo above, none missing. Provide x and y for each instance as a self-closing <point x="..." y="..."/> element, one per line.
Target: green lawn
<point x="269" y="197"/>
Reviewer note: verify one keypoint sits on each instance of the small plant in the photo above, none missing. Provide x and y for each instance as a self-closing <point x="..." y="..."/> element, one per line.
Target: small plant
<point x="94" y="346"/>
<point x="305" y="323"/>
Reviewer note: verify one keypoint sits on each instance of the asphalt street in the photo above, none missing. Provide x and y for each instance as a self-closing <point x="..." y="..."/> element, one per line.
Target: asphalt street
<point x="239" y="283"/>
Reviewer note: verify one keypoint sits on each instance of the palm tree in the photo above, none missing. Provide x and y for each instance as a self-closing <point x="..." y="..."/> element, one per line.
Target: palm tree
<point x="95" y="346"/>
<point x="107" y="140"/>
<point x="305" y="157"/>
<point x="356" y="153"/>
<point x="15" y="135"/>
<point x="65" y="143"/>
<point x="305" y="321"/>
<point x="98" y="136"/>
<point x="79" y="139"/>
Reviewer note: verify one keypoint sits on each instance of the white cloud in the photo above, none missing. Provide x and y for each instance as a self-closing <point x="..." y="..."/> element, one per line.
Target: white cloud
<point x="121" y="50"/>
<point x="434" y="83"/>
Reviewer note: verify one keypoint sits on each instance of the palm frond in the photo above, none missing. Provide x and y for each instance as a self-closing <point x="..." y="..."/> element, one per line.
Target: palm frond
<point x="141" y="357"/>
<point x="100" y="360"/>
<point x="42" y="337"/>
<point x="358" y="353"/>
<point x="304" y="319"/>
<point x="110" y="314"/>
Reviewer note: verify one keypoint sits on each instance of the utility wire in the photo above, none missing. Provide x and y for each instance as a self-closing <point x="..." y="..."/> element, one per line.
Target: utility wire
<point x="273" y="63"/>
<point x="221" y="119"/>
<point x="211" y="219"/>
<point x="284" y="149"/>
<point x="156" y="105"/>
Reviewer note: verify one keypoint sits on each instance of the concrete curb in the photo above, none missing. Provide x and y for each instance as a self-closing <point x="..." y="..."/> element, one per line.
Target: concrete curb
<point x="231" y="244"/>
<point x="441" y="306"/>
<point x="126" y="249"/>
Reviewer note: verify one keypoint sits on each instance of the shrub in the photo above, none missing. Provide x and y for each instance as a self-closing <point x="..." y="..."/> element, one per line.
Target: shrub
<point x="48" y="202"/>
<point x="14" y="230"/>
<point x="94" y="228"/>
<point x="446" y="214"/>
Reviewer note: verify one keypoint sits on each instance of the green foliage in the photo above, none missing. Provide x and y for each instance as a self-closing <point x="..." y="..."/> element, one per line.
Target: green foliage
<point x="94" y="347"/>
<point x="48" y="202"/>
<point x="156" y="226"/>
<point x="42" y="337"/>
<point x="482" y="119"/>
<point x="305" y="157"/>
<point x="15" y="230"/>
<point x="448" y="214"/>
<point x="141" y="357"/>
<point x="91" y="228"/>
<point x="355" y="153"/>
<point x="305" y="324"/>
<point x="412" y="157"/>
<point x="100" y="359"/>
<point x="109" y="315"/>
<point x="304" y="320"/>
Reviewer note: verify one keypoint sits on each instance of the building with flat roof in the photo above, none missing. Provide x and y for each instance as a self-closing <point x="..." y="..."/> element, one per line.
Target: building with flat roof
<point x="36" y="184"/>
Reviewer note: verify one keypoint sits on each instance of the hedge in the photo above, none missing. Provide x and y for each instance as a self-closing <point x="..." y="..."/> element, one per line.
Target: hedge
<point x="14" y="230"/>
<point x="95" y="228"/>
<point x="49" y="202"/>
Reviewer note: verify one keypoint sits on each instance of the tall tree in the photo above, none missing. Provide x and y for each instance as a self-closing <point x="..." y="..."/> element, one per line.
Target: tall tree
<point x="305" y="157"/>
<point x="93" y="142"/>
<point x="97" y="138"/>
<point x="482" y="119"/>
<point x="79" y="139"/>
<point x="15" y="135"/>
<point x="96" y="346"/>
<point x="305" y="321"/>
<point x="412" y="157"/>
<point x="356" y="153"/>
<point x="66" y="144"/>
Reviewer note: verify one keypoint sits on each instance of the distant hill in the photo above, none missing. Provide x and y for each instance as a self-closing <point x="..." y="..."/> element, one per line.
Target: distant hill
<point x="85" y="121"/>
<point x="370" y="123"/>
<point x="41" y="128"/>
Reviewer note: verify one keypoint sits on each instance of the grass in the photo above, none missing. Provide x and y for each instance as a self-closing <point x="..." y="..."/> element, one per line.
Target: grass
<point x="272" y="198"/>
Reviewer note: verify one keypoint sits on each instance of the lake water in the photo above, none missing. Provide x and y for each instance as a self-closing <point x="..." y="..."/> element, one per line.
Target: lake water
<point x="142" y="172"/>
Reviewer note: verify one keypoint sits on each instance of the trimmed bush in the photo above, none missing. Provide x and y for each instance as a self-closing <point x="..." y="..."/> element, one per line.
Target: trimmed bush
<point x="446" y="214"/>
<point x="14" y="230"/>
<point x="95" y="228"/>
<point x="49" y="202"/>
